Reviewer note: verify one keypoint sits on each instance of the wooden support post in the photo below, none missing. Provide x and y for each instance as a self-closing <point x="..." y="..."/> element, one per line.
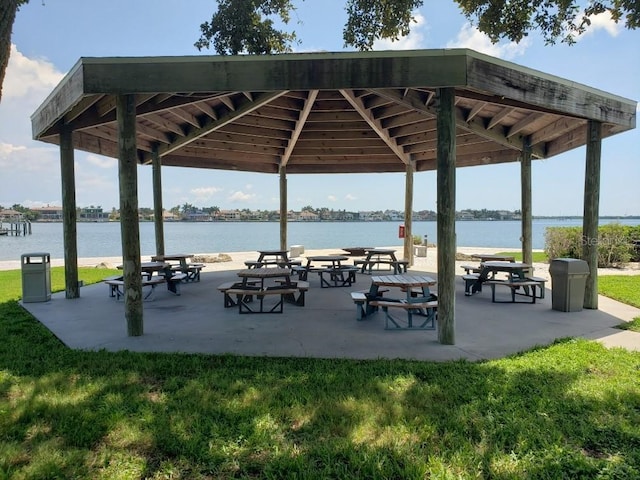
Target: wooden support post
<point x="129" y="223"/>
<point x="446" y="193"/>
<point x="158" y="219"/>
<point x="67" y="169"/>
<point x="591" y="211"/>
<point x="526" y="203"/>
<point x="408" y="213"/>
<point x="283" y="207"/>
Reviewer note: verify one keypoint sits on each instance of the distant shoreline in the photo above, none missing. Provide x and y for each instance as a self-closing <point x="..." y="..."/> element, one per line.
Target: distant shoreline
<point x="608" y="217"/>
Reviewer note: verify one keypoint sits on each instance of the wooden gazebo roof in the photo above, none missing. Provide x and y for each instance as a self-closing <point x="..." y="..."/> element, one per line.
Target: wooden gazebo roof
<point x="325" y="112"/>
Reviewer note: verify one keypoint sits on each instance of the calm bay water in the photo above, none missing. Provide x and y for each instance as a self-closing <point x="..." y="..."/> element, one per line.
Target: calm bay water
<point x="103" y="239"/>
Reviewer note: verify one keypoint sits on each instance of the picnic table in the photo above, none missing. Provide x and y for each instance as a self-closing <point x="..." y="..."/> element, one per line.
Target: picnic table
<point x="517" y="276"/>
<point x="165" y="275"/>
<point x="375" y="257"/>
<point x="191" y="270"/>
<point x="279" y="258"/>
<point x="417" y="300"/>
<point x="493" y="257"/>
<point x="253" y="283"/>
<point x="332" y="272"/>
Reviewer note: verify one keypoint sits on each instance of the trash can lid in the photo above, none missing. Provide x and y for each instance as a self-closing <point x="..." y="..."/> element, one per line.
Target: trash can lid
<point x="37" y="254"/>
<point x="569" y="266"/>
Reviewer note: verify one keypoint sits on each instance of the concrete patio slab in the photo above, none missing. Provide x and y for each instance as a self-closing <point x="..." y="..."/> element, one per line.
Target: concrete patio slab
<point x="326" y="327"/>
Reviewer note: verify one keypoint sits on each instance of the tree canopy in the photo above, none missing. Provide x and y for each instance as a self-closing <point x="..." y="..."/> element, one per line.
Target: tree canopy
<point x="248" y="26"/>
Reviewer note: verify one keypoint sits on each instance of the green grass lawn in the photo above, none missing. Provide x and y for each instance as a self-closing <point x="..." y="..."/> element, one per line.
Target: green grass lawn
<point x="537" y="257"/>
<point x="571" y="410"/>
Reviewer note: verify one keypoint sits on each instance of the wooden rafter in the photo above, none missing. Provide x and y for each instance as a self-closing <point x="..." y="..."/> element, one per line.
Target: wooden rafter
<point x="475" y="126"/>
<point x="295" y="134"/>
<point x="375" y="124"/>
<point x="212" y="125"/>
<point x="501" y="115"/>
<point x="522" y="124"/>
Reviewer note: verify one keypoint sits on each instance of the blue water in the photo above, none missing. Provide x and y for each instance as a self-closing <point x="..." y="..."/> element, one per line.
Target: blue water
<point x="103" y="239"/>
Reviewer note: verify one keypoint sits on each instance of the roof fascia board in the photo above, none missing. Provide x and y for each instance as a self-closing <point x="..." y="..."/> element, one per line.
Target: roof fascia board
<point x="537" y="88"/>
<point x="61" y="100"/>
<point x="275" y="72"/>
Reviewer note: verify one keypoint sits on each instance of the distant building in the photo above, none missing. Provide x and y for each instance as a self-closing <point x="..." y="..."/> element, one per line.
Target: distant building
<point x="92" y="214"/>
<point x="8" y="214"/>
<point x="48" y="213"/>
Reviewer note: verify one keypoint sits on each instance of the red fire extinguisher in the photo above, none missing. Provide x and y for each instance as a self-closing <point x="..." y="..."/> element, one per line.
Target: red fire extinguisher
<point x="401" y="231"/>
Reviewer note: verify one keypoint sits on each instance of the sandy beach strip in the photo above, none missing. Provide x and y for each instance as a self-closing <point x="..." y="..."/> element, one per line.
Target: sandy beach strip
<point x="424" y="264"/>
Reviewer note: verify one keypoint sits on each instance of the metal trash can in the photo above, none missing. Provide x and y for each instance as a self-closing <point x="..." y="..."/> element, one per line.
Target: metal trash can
<point x="568" y="282"/>
<point x="36" y="277"/>
<point x="420" y="250"/>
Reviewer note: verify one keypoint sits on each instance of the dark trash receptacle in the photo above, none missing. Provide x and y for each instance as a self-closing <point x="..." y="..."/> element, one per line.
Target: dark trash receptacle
<point x="36" y="277"/>
<point x="568" y="283"/>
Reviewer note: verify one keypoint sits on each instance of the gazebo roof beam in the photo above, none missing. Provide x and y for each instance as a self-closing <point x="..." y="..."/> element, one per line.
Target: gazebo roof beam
<point x="522" y="124"/>
<point x="475" y="126"/>
<point x="376" y="125"/>
<point x="477" y="108"/>
<point x="185" y="116"/>
<point x="501" y="115"/>
<point x="153" y="133"/>
<point x="212" y="125"/>
<point x="295" y="134"/>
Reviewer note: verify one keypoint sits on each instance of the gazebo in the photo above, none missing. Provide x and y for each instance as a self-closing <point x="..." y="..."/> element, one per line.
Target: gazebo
<point x="391" y="111"/>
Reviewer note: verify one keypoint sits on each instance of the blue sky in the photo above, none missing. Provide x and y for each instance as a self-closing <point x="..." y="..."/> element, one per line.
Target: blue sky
<point x="48" y="39"/>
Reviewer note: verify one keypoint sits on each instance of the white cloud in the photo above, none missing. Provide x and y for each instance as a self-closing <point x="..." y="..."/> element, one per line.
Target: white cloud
<point x="332" y="198"/>
<point x="350" y="196"/>
<point x="471" y="37"/>
<point x="414" y="40"/>
<point x="102" y="162"/>
<point x="604" y="22"/>
<point x="7" y="149"/>
<point x="7" y="153"/>
<point x="241" y="197"/>
<point x="203" y="194"/>
<point x="29" y="77"/>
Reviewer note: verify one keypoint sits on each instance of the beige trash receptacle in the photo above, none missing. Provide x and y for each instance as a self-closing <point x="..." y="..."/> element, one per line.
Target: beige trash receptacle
<point x="296" y="250"/>
<point x="568" y="283"/>
<point x="36" y="277"/>
<point x="420" y="250"/>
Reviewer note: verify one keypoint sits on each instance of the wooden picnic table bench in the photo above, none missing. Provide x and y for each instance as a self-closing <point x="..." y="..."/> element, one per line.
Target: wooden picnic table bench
<point x="244" y="305"/>
<point x="515" y="285"/>
<point x="116" y="284"/>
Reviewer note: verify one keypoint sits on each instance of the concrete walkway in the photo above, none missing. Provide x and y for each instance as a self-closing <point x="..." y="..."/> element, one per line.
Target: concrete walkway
<point x="197" y="322"/>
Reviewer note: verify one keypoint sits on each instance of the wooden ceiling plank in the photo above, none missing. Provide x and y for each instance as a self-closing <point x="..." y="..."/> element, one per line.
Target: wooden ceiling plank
<point x="556" y="129"/>
<point x="502" y="114"/>
<point x="329" y="136"/>
<point x="261" y="131"/>
<point x="206" y="109"/>
<point x="523" y="124"/>
<point x="268" y="111"/>
<point x="82" y="106"/>
<point x="212" y="125"/>
<point x="185" y="116"/>
<point x="165" y="123"/>
<point x="229" y="102"/>
<point x="475" y="125"/>
<point x="567" y="141"/>
<point x="477" y="108"/>
<point x="302" y="120"/>
<point x="153" y="133"/>
<point x="376" y="126"/>
<point x="243" y="139"/>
